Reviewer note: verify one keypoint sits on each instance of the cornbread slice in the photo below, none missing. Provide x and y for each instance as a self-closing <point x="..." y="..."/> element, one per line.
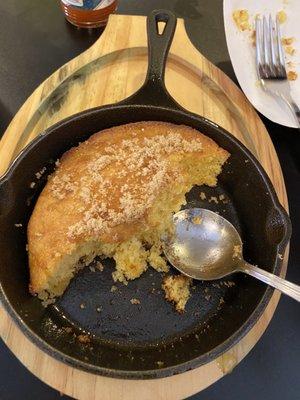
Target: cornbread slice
<point x="114" y="196"/>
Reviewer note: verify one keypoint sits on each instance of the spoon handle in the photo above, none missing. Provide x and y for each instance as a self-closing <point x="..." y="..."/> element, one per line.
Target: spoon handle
<point x="286" y="287"/>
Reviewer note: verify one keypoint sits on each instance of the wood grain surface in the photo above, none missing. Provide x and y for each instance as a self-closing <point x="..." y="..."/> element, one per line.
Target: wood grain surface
<point x="113" y="68"/>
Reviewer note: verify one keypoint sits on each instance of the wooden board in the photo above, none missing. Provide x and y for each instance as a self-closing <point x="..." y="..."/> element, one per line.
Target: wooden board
<point x="113" y="68"/>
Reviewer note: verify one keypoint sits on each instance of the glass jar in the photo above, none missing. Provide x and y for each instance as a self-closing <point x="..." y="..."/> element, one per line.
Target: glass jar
<point x="88" y="13"/>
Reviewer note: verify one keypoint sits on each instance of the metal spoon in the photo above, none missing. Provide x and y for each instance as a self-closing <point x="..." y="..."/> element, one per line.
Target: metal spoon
<point x="206" y="246"/>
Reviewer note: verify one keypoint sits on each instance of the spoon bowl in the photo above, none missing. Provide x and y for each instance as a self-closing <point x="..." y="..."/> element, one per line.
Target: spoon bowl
<point x="206" y="246"/>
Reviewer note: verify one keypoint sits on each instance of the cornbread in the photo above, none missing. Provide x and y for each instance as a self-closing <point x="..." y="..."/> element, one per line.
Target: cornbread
<point x="114" y="196"/>
<point x="241" y="18"/>
<point x="281" y="16"/>
<point x="177" y="290"/>
<point x="292" y="75"/>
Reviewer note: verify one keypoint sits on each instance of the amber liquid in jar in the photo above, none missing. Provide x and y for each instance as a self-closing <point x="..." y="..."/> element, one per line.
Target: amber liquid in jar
<point x="88" y="13"/>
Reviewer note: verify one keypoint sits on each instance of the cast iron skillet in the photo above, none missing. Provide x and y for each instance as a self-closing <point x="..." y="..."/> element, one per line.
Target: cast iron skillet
<point x="146" y="340"/>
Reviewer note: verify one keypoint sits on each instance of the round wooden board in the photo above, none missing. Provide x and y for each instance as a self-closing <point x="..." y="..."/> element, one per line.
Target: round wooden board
<point x="113" y="68"/>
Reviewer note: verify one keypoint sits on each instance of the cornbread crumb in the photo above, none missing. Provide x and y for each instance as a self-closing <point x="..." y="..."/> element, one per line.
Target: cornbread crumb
<point x="237" y="251"/>
<point x="32" y="185"/>
<point x="221" y="197"/>
<point x="135" y="301"/>
<point x="241" y="18"/>
<point x="160" y="364"/>
<point x="281" y="16"/>
<point x="253" y="37"/>
<point x="287" y="41"/>
<point x="292" y="75"/>
<point x="92" y="268"/>
<point x="40" y="173"/>
<point x="290" y="64"/>
<point x="99" y="266"/>
<point x="280" y="256"/>
<point x="197" y="220"/>
<point x="47" y="302"/>
<point x="18" y="225"/>
<point x="213" y="199"/>
<point x="82" y="306"/>
<point x="202" y="196"/>
<point x="290" y="50"/>
<point x="177" y="290"/>
<point x="113" y="288"/>
<point x="228" y="283"/>
<point x="68" y="329"/>
<point x="99" y="309"/>
<point x="84" y="339"/>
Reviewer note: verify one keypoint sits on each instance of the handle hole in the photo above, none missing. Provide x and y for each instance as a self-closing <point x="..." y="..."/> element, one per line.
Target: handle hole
<point x="160" y="26"/>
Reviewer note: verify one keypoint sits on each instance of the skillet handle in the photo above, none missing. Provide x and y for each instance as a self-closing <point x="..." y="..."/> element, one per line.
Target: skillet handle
<point x="153" y="91"/>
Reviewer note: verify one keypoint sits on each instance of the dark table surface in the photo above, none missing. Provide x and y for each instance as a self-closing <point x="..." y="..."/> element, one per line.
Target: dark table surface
<point x="35" y="40"/>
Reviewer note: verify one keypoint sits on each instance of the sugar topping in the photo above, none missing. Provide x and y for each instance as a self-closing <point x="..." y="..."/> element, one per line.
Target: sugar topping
<point x="140" y="167"/>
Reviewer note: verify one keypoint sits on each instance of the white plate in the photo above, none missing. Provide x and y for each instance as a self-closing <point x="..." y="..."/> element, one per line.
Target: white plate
<point x="242" y="54"/>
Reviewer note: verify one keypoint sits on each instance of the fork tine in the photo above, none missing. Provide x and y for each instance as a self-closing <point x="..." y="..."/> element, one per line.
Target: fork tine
<point x="281" y="60"/>
<point x="259" y="51"/>
<point x="273" y="47"/>
<point x="266" y="48"/>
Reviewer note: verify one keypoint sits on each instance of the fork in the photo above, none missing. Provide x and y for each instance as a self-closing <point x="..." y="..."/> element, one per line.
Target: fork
<point x="270" y="62"/>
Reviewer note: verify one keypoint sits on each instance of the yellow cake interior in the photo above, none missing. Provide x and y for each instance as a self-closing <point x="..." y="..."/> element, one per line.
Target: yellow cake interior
<point x="114" y="196"/>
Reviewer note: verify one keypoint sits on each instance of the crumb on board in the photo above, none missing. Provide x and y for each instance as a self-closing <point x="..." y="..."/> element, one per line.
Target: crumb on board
<point x="135" y="301"/>
<point x="18" y="225"/>
<point x="32" y="185"/>
<point x="197" y="220"/>
<point x="222" y="301"/>
<point x="177" y="290"/>
<point x="207" y="297"/>
<point x="92" y="269"/>
<point x="82" y="306"/>
<point x="280" y="256"/>
<point x="68" y="329"/>
<point x="202" y="196"/>
<point x="84" y="339"/>
<point x="26" y="247"/>
<point x="99" y="309"/>
<point x="241" y="19"/>
<point x="113" y="288"/>
<point x="281" y="16"/>
<point x="160" y="364"/>
<point x="292" y="75"/>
